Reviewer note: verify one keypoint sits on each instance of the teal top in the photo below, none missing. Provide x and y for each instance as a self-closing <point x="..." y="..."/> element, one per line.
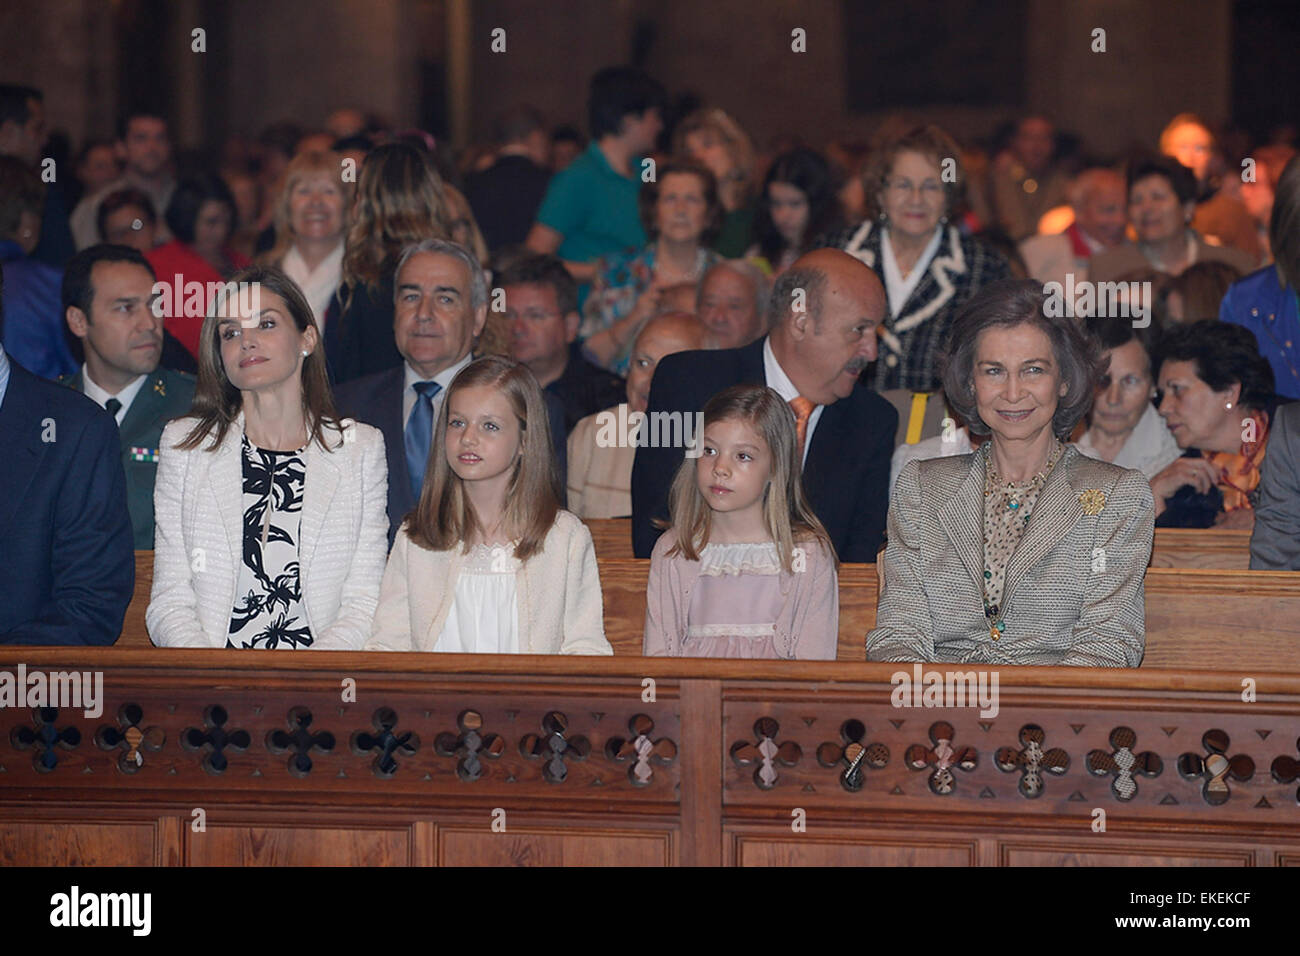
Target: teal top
<point x="594" y="208"/>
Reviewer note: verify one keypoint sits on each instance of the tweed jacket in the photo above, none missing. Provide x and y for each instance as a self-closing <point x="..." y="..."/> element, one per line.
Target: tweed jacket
<point x="1074" y="587"/>
<point x="558" y="593"/>
<point x="199" y="545"/>
<point x="912" y="336"/>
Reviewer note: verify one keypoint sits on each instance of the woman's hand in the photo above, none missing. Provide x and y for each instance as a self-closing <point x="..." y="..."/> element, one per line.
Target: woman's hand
<point x="1197" y="472"/>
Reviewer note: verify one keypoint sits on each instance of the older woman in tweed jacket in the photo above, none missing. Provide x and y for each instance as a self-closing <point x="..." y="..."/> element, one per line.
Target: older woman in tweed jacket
<point x="1026" y="551"/>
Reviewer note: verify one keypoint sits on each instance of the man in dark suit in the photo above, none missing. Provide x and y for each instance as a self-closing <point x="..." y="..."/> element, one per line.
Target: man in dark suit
<point x="824" y="314"/>
<point x="66" y="533"/>
<point x="107" y="303"/>
<point x="441" y="307"/>
<point x="506" y="195"/>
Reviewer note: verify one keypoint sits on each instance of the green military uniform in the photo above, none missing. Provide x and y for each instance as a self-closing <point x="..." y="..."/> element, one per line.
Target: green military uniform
<point x="164" y="396"/>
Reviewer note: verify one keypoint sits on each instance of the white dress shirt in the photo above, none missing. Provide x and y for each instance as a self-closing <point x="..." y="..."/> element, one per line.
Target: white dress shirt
<point x="1149" y="448"/>
<point x="98" y="395"/>
<point x="318" y="285"/>
<point x="897" y="288"/>
<point x="780" y="383"/>
<point x="443" y="378"/>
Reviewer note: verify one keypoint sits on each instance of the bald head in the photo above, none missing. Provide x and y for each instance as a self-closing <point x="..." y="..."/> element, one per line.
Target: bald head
<point x="1099" y="200"/>
<point x="826" y="310"/>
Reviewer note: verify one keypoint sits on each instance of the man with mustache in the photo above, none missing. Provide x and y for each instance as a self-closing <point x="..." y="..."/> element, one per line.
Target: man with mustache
<point x="107" y="303"/>
<point x="824" y="314"/>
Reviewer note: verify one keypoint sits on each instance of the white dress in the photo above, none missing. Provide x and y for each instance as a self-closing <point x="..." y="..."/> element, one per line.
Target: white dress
<point x="484" y="614"/>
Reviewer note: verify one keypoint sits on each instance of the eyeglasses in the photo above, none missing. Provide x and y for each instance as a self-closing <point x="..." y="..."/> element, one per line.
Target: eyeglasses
<point x="930" y="189"/>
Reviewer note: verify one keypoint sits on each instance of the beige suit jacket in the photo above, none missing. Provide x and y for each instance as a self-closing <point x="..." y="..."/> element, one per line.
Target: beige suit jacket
<point x="1074" y="587"/>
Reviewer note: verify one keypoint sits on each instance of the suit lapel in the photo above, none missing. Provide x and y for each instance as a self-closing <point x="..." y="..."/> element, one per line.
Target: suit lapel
<point x="1054" y="514"/>
<point x="319" y="486"/>
<point x="21" y="447"/>
<point x="960" y="507"/>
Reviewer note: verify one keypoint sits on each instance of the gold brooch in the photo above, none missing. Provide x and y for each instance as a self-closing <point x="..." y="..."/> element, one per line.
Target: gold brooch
<point x="1093" y="501"/>
<point x="160" y="387"/>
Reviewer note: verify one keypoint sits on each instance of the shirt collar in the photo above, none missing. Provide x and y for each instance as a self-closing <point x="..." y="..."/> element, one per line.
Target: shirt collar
<point x="777" y="380"/>
<point x="443" y="378"/>
<point x="101" y="395"/>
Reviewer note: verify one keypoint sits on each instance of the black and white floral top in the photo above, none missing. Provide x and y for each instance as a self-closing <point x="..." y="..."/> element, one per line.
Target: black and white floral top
<point x="268" y="610"/>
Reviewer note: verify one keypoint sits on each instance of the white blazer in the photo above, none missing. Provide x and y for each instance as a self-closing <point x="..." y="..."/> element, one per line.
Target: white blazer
<point x="199" y="542"/>
<point x="560" y="609"/>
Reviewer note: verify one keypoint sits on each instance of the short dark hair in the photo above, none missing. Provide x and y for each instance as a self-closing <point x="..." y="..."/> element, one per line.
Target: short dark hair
<point x="648" y="198"/>
<point x="191" y="193"/>
<point x="1224" y="355"/>
<point x="124" y="121"/>
<point x="620" y="91"/>
<point x="14" y="101"/>
<point x="516" y="124"/>
<point x="541" y="270"/>
<point x="1181" y="179"/>
<point x="21" y="190"/>
<point x="1113" y="332"/>
<point x="78" y="289"/>
<point x="1012" y="302"/>
<point x="120" y="199"/>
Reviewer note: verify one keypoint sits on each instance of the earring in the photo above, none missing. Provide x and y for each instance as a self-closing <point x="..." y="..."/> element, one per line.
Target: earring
<point x="305" y="353"/>
<point x="1228" y="406"/>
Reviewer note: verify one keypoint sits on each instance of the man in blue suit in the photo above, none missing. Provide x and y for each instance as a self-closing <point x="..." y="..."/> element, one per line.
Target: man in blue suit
<point x="440" y="310"/>
<point x="64" y="526"/>
<point x="824" y="313"/>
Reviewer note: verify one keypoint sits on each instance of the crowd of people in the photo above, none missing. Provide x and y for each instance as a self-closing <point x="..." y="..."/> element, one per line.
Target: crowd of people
<point x="771" y="361"/>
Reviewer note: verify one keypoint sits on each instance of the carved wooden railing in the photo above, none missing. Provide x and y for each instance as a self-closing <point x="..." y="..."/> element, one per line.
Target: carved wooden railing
<point x="224" y="757"/>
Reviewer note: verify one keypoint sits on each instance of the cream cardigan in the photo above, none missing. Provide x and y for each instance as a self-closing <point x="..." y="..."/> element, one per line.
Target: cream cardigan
<point x="559" y="601"/>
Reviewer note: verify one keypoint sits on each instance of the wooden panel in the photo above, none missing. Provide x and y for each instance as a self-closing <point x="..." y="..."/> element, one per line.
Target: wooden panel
<point x="612" y="537"/>
<point x="570" y="846"/>
<point x="750" y="849"/>
<point x="1201" y="548"/>
<point x="297" y="846"/>
<point x="77" y="844"/>
<point x="1094" y="852"/>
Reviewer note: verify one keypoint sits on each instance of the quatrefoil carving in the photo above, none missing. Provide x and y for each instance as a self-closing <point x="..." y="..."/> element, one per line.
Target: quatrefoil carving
<point x="1215" y="767"/>
<point x="214" y="739"/>
<point x="1123" y="764"/>
<point x="130" y="738"/>
<point x="300" y="739"/>
<point x="1286" y="769"/>
<point x="44" y="739"/>
<point x="385" y="743"/>
<point x="765" y="753"/>
<point x="554" y="747"/>
<point x="471" y="745"/>
<point x="853" y="753"/>
<point x="641" y="750"/>
<point x="942" y="756"/>
<point x="1032" y="760"/>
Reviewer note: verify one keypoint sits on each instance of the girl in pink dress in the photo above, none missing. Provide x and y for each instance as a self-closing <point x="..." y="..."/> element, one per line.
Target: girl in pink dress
<point x="746" y="569"/>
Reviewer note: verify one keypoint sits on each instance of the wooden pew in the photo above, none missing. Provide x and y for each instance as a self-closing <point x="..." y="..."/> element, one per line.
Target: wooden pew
<point x="1242" y="621"/>
<point x="1173" y="547"/>
<point x="704" y="798"/>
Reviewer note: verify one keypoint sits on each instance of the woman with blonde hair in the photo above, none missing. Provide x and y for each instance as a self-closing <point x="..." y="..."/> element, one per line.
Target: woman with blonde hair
<point x="713" y="139"/>
<point x="400" y="200"/>
<point x="309" y="217"/>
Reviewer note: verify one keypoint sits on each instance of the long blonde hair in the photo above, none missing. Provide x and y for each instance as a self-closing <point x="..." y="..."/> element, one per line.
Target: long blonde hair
<point x="399" y="201"/>
<point x="786" y="513"/>
<point x="444" y="516"/>
<point x="306" y="164"/>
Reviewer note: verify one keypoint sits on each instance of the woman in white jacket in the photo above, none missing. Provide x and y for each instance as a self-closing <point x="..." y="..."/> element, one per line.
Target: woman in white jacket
<point x="270" y="511"/>
<point x="488" y="562"/>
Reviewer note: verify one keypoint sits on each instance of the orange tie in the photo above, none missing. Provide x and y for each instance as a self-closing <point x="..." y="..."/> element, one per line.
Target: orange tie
<point x="803" y="409"/>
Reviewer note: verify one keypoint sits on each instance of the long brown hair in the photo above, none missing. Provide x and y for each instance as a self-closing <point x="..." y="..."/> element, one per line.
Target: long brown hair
<point x="444" y="516"/>
<point x="217" y="403"/>
<point x="786" y="513"/>
<point x="399" y="201"/>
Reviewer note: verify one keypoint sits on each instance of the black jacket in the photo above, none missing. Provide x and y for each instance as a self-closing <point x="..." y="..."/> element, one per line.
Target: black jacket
<point x="846" y="474"/>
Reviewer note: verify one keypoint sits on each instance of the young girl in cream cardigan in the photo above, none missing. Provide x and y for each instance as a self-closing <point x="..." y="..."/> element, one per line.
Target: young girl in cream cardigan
<point x="488" y="562"/>
<point x="746" y="569"/>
